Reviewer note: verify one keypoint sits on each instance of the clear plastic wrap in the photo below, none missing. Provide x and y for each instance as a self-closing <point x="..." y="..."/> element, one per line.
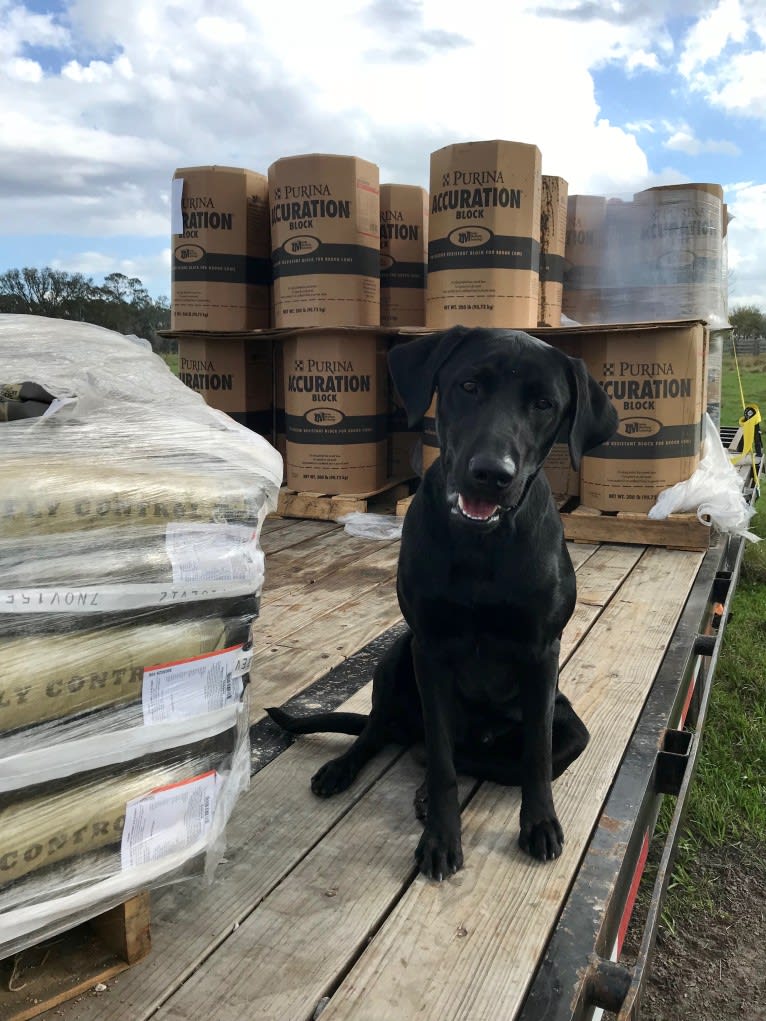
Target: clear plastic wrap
<point x="651" y="257"/>
<point x="71" y="848"/>
<point x="372" y="526"/>
<point x="130" y="578"/>
<point x="714" y="491"/>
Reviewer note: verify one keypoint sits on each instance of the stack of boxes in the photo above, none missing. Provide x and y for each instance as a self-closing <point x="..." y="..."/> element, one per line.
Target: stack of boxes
<point x="356" y="267"/>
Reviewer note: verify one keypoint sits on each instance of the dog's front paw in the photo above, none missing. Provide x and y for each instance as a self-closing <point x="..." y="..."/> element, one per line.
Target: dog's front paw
<point x="543" y="838"/>
<point x="333" y="777"/>
<point x="439" y="855"/>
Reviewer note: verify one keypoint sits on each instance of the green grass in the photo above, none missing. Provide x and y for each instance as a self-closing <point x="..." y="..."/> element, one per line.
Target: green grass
<point x="753" y="371"/>
<point x="171" y="360"/>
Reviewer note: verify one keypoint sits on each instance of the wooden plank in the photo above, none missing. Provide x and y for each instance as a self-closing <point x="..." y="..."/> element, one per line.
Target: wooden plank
<point x="280" y="671"/>
<point x="403" y="505"/>
<point x="303" y="566"/>
<point x="285" y="956"/>
<point x="275" y="824"/>
<point x="467" y="949"/>
<point x="580" y="551"/>
<point x="125" y="929"/>
<point x="601" y="573"/>
<point x="296" y="532"/>
<point x="67" y="965"/>
<point x="288" y="610"/>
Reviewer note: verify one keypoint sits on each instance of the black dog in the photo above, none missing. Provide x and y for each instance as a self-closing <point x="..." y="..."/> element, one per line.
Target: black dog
<point x="485" y="584"/>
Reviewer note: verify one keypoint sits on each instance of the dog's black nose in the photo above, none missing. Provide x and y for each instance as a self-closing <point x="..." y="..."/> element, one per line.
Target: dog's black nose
<point x="497" y="472"/>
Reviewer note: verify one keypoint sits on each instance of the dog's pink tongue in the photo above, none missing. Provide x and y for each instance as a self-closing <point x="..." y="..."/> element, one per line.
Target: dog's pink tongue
<point x="477" y="508"/>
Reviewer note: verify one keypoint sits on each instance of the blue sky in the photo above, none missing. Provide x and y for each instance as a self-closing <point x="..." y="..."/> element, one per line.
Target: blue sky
<point x="100" y="101"/>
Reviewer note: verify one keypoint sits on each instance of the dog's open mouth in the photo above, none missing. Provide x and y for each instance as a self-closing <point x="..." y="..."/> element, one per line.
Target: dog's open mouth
<point x="477" y="510"/>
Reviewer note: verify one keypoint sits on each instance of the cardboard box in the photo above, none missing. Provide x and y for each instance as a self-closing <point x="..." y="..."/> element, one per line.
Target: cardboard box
<point x="403" y="254"/>
<point x="325" y="241"/>
<point x="655" y="374"/>
<point x="221" y="272"/>
<point x="233" y="375"/>
<point x="553" y="233"/>
<point x="484" y="235"/>
<point x="336" y="410"/>
<point x="583" y="256"/>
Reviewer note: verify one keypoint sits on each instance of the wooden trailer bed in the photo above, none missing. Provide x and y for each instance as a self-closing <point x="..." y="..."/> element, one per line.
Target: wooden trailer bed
<point x="319" y="899"/>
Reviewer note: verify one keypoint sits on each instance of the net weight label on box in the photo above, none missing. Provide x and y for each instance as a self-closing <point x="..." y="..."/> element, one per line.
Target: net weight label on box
<point x="176" y="691"/>
<point x="168" y="820"/>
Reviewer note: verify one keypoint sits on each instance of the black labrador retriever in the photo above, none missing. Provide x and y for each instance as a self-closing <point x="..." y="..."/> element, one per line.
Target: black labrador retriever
<point x="485" y="584"/>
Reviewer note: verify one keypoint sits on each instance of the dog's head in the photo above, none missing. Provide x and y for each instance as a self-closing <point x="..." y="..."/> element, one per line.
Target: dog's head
<point x="504" y="398"/>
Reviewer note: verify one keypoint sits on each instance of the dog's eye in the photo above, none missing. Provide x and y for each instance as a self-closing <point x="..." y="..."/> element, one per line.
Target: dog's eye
<point x="470" y="386"/>
<point x="542" y="404"/>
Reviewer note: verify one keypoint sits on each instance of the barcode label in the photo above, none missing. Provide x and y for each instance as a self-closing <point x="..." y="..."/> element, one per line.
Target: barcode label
<point x="168" y="820"/>
<point x="176" y="691"/>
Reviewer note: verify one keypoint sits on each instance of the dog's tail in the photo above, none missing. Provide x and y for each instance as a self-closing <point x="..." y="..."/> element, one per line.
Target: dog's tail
<point x="327" y="723"/>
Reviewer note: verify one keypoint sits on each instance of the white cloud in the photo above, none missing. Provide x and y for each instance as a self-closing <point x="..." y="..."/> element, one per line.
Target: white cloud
<point x="94" y="263"/>
<point x="641" y="60"/>
<point x="719" y="59"/>
<point x="685" y="141"/>
<point x="24" y="70"/>
<point x="747" y="242"/>
<point x="174" y="85"/>
<point x="710" y="35"/>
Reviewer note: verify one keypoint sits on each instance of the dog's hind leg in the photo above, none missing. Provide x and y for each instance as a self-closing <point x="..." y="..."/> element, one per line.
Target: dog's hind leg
<point x="570" y="735"/>
<point x="394" y="718"/>
<point x="499" y="760"/>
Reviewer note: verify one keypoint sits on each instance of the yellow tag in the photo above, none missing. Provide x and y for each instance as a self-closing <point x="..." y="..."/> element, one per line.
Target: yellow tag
<point x="748" y="422"/>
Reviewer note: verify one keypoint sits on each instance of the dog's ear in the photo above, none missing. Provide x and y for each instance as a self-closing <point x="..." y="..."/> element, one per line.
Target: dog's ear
<point x="593" y="418"/>
<point x="415" y="365"/>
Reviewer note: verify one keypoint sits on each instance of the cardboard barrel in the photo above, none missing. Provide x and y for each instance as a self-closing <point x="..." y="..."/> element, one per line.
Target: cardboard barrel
<point x="553" y="230"/>
<point x="484" y="235"/>
<point x="336" y="409"/>
<point x="586" y="223"/>
<point x="681" y="251"/>
<point x="403" y="254"/>
<point x="655" y="377"/>
<point x="221" y="270"/>
<point x="325" y="241"/>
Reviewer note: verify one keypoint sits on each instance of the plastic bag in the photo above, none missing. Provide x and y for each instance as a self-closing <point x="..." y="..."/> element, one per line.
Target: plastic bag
<point x="714" y="491"/>
<point x="372" y="526"/>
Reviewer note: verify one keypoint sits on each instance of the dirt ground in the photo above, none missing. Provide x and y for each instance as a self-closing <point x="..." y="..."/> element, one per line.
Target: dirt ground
<point x="713" y="966"/>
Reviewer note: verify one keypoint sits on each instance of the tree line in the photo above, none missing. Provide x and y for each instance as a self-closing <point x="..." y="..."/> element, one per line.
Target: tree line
<point x="748" y="322"/>
<point x="120" y="303"/>
<point x="123" y="304"/>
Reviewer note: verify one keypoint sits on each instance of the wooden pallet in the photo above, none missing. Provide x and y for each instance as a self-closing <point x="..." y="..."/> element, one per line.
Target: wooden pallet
<point x="67" y="965"/>
<point x="403" y="505"/>
<point x="679" y="531"/>
<point x="324" y="507"/>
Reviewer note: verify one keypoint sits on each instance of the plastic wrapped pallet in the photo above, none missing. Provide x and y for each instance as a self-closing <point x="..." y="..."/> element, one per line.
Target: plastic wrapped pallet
<point x="74" y="847"/>
<point x="130" y="577"/>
